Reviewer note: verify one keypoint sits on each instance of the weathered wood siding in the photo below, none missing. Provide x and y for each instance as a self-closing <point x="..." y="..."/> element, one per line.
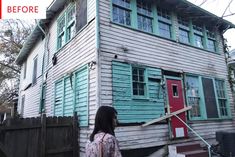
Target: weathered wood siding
<point x="128" y="45"/>
<point x="32" y="94"/>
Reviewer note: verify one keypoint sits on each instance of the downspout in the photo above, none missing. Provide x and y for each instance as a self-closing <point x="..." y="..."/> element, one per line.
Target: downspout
<point x="98" y="71"/>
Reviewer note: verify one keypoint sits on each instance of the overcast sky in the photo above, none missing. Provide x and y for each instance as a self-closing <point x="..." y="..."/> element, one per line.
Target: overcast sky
<point x="218" y="7"/>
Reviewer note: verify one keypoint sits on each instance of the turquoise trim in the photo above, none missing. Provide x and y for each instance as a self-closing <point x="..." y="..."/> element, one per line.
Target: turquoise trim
<point x="155" y="20"/>
<point x="173" y="30"/>
<point x="228" y="101"/>
<point x="134" y="14"/>
<point x="205" y="38"/>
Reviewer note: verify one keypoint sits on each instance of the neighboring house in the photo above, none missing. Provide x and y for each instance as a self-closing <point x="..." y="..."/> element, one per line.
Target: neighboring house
<point x="145" y="58"/>
<point x="231" y="66"/>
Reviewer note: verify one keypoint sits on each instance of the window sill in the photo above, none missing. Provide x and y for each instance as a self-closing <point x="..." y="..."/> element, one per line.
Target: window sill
<point x="139" y="98"/>
<point x="209" y="120"/>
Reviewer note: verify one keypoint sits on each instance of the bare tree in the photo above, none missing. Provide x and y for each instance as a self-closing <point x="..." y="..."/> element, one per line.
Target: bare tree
<point x="13" y="34"/>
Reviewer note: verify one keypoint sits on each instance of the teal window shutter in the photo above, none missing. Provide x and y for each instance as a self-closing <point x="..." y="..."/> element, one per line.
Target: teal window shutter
<point x="68" y="96"/>
<point x="42" y="98"/>
<point x="58" y="100"/>
<point x="81" y="95"/>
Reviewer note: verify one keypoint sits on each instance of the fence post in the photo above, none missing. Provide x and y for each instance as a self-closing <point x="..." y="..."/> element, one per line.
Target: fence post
<point x="75" y="136"/>
<point x="43" y="135"/>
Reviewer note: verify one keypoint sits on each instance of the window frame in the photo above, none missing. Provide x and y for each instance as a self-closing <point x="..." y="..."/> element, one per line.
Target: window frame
<point x="148" y="16"/>
<point x="166" y="21"/>
<point x="202" y="99"/>
<point x="146" y="95"/>
<point x="123" y="8"/>
<point x="225" y="98"/>
<point x="25" y="70"/>
<point x="67" y="24"/>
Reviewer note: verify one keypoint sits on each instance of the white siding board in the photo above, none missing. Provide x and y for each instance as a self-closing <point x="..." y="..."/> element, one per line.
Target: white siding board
<point x="91" y="9"/>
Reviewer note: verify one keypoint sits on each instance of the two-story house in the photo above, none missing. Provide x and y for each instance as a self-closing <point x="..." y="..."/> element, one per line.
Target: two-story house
<point x="146" y="58"/>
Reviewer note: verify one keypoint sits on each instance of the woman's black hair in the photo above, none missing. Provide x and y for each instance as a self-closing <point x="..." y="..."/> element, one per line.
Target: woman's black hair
<point x="104" y="121"/>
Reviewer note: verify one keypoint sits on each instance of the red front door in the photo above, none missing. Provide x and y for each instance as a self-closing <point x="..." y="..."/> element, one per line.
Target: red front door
<point x="176" y="102"/>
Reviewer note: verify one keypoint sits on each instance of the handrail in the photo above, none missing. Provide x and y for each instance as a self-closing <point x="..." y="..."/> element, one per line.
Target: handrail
<point x="208" y="145"/>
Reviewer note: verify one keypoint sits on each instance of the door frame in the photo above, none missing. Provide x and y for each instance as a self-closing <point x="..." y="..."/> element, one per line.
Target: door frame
<point x="167" y="98"/>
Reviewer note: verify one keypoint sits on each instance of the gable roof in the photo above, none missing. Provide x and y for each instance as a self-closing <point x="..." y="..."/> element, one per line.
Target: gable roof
<point x="182" y="7"/>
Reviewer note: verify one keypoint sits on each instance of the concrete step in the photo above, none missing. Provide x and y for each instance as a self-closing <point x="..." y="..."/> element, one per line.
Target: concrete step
<point x="196" y="153"/>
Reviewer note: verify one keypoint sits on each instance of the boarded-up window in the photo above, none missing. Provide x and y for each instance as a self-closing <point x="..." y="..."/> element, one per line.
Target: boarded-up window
<point x="81" y="7"/>
<point x="210" y="100"/>
<point x="71" y="95"/>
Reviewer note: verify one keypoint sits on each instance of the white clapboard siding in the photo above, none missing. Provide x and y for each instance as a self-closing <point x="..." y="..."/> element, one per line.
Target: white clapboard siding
<point x="91" y="9"/>
<point x="150" y="50"/>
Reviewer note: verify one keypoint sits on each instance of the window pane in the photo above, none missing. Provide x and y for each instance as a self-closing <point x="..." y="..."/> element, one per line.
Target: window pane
<point x="211" y="45"/>
<point x="61" y="25"/>
<point x="121" y="16"/>
<point x="122" y="3"/>
<point x="223" y="108"/>
<point x="193" y="97"/>
<point x="144" y="8"/>
<point x="145" y="23"/>
<point x="183" y="36"/>
<point x="138" y="81"/>
<point x="194" y="102"/>
<point x="198" y="40"/>
<point x="164" y="30"/>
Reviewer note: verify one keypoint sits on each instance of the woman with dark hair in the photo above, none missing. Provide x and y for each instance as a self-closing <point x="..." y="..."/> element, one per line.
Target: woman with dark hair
<point x="103" y="142"/>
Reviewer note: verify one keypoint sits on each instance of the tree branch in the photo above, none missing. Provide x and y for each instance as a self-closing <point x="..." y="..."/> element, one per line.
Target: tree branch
<point x="12" y="68"/>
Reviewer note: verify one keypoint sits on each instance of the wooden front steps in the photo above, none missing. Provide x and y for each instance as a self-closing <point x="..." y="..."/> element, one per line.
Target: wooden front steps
<point x="191" y="149"/>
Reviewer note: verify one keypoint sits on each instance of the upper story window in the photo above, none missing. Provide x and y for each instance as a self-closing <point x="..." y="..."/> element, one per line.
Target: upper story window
<point x="66" y="26"/>
<point x="211" y="41"/>
<point x="164" y="23"/>
<point x="183" y="30"/>
<point x="198" y="36"/>
<point x="35" y="67"/>
<point x="122" y="12"/>
<point x="138" y="81"/>
<point x="144" y="16"/>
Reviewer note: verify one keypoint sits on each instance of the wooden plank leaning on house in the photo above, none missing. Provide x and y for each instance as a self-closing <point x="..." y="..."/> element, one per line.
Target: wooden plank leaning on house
<point x="168" y="115"/>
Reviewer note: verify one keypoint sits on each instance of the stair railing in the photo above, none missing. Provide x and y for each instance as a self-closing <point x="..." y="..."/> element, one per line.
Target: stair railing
<point x="208" y="145"/>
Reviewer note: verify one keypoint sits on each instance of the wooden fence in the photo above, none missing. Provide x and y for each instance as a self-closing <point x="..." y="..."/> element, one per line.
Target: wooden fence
<point x="40" y="137"/>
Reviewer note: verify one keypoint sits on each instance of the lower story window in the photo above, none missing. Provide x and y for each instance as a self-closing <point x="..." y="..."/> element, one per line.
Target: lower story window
<point x="138" y="81"/>
<point x="202" y="97"/>
<point x="193" y="96"/>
